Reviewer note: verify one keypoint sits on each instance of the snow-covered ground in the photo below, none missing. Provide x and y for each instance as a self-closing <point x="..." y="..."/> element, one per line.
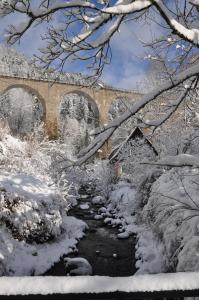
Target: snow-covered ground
<point x="18" y="258"/>
<point x="34" y="228"/>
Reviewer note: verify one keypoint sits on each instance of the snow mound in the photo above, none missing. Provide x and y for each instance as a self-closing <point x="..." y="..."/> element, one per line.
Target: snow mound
<point x="149" y="253"/>
<point x="34" y="229"/>
<point x="18" y="258"/>
<point x="78" y="266"/>
<point x="31" y="210"/>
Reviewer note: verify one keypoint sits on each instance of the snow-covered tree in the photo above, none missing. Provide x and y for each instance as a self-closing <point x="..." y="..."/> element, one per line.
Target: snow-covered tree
<point x="22" y="110"/>
<point x="94" y="23"/>
<point x="117" y="108"/>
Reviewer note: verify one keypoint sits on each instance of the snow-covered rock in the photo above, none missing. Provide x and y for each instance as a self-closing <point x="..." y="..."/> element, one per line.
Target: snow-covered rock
<point x="102" y="210"/>
<point x="78" y="266"/>
<point x="84" y="206"/>
<point x="98" y="217"/>
<point x="98" y="200"/>
<point x="123" y="235"/>
<point x="107" y="220"/>
<point x="84" y="196"/>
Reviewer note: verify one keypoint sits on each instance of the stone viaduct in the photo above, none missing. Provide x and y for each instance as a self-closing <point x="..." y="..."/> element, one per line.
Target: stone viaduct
<point x="49" y="92"/>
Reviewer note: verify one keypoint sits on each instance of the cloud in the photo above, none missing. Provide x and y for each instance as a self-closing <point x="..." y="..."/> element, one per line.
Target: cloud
<point x="132" y="77"/>
<point x="128" y="68"/>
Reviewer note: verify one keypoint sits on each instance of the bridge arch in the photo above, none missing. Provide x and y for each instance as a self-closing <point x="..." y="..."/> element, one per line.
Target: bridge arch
<point x="30" y="90"/>
<point x="23" y="107"/>
<point x="78" y="114"/>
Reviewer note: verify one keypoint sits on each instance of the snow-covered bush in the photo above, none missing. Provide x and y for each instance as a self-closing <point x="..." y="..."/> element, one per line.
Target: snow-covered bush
<point x="104" y="177"/>
<point x="177" y="139"/>
<point x="149" y="254"/>
<point x="94" y="178"/>
<point x="29" y="208"/>
<point x="146" y="180"/>
<point x="172" y="213"/>
<point x="35" y="154"/>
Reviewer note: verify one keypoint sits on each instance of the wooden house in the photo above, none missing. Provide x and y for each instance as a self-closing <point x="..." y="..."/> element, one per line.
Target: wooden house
<point x="136" y="147"/>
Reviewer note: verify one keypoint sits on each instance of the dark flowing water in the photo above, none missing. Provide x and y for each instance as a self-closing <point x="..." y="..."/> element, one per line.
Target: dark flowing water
<point x="107" y="254"/>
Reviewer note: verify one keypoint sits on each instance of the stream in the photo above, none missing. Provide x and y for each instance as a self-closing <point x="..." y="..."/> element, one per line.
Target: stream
<point x="108" y="255"/>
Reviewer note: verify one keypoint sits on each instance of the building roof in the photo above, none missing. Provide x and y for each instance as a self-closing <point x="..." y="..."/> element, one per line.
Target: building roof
<point x="135" y="132"/>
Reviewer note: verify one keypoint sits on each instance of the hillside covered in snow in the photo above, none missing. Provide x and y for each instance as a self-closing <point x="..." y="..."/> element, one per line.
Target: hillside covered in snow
<point x="13" y="63"/>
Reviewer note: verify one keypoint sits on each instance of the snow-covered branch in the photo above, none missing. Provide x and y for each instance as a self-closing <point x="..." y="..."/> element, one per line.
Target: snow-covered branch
<point x="180" y="160"/>
<point x="103" y="134"/>
<point x="194" y="3"/>
<point x="172" y="109"/>
<point x="96" y="22"/>
<point x="128" y="8"/>
<point x="188" y="34"/>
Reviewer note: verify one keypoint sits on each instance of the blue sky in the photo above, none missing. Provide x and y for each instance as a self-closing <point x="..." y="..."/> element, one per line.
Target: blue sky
<point x="127" y="68"/>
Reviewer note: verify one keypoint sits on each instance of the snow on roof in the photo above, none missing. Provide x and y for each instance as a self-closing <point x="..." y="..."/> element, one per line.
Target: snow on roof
<point x="14" y="64"/>
<point x="135" y="132"/>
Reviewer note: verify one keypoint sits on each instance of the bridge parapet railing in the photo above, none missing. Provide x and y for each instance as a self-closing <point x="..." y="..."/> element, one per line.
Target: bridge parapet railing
<point x="55" y="76"/>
